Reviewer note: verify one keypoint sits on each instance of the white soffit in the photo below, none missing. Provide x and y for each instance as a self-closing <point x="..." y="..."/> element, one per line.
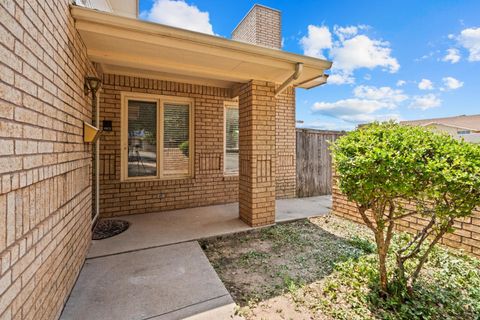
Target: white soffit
<point x="138" y="48"/>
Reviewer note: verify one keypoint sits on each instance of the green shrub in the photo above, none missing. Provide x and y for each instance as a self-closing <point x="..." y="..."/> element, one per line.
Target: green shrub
<point x="184" y="147"/>
<point x="384" y="166"/>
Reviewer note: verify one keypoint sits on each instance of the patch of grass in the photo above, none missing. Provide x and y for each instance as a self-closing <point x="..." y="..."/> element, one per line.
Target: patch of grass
<point x="326" y="268"/>
<point x="252" y="257"/>
<point x="449" y="288"/>
<point x="363" y="244"/>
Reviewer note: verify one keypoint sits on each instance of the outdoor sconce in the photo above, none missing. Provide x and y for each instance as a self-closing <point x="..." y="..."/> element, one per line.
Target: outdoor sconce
<point x="91" y="85"/>
<point x="90" y="133"/>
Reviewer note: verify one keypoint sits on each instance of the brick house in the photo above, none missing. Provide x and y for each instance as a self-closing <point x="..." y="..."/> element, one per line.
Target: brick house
<point x="188" y="120"/>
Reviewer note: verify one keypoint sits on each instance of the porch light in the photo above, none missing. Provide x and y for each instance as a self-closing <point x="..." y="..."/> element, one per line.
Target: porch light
<point x="92" y="84"/>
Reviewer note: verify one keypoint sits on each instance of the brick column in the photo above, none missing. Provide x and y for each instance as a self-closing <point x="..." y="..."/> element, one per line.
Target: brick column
<point x="257" y="153"/>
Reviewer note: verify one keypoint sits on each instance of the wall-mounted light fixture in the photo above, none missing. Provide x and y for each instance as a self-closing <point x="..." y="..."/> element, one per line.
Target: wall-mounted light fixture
<point x="92" y="85"/>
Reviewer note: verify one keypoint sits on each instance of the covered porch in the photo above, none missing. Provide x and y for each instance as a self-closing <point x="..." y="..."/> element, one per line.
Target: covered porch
<point x="171" y="227"/>
<point x="162" y="65"/>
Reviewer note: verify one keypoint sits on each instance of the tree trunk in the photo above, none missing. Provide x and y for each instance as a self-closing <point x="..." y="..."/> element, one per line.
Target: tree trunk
<point x="382" y="261"/>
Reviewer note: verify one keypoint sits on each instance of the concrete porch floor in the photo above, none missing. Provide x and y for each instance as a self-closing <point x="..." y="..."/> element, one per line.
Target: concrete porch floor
<point x="155" y="271"/>
<point x="163" y="228"/>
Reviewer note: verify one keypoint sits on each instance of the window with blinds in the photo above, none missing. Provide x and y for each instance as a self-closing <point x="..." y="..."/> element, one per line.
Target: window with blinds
<point x="157" y="137"/>
<point x="176" y="146"/>
<point x="231" y="139"/>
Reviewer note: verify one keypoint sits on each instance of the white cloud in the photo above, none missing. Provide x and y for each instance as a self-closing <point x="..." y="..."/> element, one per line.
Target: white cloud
<point x="425" y="84"/>
<point x="451" y="83"/>
<point x="350" y="51"/>
<point x="345" y="32"/>
<point x="452" y="56"/>
<point x="425" y="102"/>
<point x="363" y="52"/>
<point x="318" y="39"/>
<point x="341" y="78"/>
<point x="385" y="94"/>
<point x="470" y="40"/>
<point x="367" y="101"/>
<point x="348" y="107"/>
<point x="401" y="83"/>
<point x="179" y="14"/>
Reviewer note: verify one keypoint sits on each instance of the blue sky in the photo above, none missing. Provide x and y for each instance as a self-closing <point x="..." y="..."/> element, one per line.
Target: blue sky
<point x="392" y="59"/>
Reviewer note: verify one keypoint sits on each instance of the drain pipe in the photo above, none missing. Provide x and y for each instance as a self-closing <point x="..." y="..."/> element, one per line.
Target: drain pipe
<point x="92" y="86"/>
<point x="289" y="81"/>
<point x="97" y="160"/>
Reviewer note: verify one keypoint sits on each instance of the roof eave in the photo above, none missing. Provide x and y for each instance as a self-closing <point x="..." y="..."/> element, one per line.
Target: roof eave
<point x="94" y="17"/>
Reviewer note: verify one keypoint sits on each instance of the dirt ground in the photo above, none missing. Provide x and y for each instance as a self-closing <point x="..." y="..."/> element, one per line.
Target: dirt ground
<point x="277" y="272"/>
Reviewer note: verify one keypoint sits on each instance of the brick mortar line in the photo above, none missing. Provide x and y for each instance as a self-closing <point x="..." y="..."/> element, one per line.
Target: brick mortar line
<point x="85" y="206"/>
<point x="19" y="172"/>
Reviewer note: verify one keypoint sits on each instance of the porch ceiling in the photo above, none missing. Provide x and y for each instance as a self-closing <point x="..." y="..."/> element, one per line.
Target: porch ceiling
<point x="144" y="49"/>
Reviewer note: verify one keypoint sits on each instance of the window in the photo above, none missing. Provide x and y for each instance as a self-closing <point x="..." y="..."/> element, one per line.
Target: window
<point x="463" y="131"/>
<point x="231" y="138"/>
<point x="142" y="138"/>
<point x="157" y="137"/>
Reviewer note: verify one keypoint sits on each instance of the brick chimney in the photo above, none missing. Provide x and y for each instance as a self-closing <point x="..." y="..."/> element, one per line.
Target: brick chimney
<point x="261" y="26"/>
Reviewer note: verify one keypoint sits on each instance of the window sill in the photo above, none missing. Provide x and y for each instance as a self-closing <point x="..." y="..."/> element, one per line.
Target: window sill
<point x="230" y="176"/>
<point x="155" y="179"/>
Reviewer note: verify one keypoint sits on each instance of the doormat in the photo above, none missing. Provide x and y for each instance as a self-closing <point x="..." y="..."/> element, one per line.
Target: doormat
<point x="109" y="228"/>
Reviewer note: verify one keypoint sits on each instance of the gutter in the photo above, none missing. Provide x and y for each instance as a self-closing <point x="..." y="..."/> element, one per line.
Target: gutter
<point x="291" y="79"/>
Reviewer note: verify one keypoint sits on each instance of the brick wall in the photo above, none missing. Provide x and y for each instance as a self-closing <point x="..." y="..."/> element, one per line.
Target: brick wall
<point x="466" y="235"/>
<point x="45" y="168"/>
<point x="286" y="145"/>
<point x="261" y="26"/>
<point x="209" y="184"/>
<point x="257" y="141"/>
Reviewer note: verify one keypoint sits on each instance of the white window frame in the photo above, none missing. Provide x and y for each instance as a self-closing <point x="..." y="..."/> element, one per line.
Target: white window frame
<point x="226" y="105"/>
<point x="160" y="100"/>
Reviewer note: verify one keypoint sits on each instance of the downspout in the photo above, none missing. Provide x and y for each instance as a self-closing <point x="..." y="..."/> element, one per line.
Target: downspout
<point x="289" y="81"/>
<point x="96" y="102"/>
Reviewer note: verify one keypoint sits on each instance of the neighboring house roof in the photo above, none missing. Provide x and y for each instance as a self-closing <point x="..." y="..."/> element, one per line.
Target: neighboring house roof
<point x="139" y="48"/>
<point x="467" y="122"/>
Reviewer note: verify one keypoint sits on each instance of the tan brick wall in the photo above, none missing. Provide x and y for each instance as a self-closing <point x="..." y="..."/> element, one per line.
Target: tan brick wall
<point x="257" y="153"/>
<point x="286" y="145"/>
<point x="466" y="235"/>
<point x="45" y="168"/>
<point x="261" y="26"/>
<point x="209" y="184"/>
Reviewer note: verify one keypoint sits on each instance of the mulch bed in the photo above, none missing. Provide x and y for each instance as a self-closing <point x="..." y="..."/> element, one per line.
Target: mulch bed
<point x="109" y="228"/>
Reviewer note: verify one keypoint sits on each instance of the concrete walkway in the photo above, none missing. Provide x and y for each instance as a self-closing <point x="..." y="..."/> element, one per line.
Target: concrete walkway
<point x="162" y="228"/>
<point x="171" y="282"/>
<point x="155" y="271"/>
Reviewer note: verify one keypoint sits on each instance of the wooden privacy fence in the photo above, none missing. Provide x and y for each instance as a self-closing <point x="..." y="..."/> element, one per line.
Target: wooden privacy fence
<point x="314" y="162"/>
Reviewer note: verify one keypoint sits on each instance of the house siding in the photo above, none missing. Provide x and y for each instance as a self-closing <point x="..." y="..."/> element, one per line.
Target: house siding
<point x="45" y="167"/>
<point x="208" y="185"/>
<point x="465" y="237"/>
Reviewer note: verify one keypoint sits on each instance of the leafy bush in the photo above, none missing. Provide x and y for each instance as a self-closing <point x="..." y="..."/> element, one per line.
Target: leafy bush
<point x="449" y="289"/>
<point x="184" y="147"/>
<point x="392" y="172"/>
